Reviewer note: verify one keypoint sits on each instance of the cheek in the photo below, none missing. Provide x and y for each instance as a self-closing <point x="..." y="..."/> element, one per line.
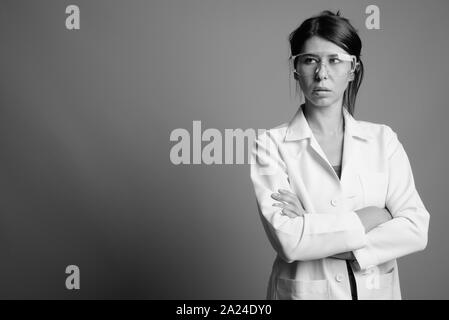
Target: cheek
<point x="307" y="85"/>
<point x="341" y="85"/>
<point x="304" y="84"/>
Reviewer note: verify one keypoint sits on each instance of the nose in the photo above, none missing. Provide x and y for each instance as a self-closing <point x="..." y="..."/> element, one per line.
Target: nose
<point x="321" y="71"/>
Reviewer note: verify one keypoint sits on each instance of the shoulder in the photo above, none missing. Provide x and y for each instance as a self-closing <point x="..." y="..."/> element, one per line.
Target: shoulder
<point x="268" y="143"/>
<point x="275" y="134"/>
<point x="381" y="133"/>
<point x="376" y="130"/>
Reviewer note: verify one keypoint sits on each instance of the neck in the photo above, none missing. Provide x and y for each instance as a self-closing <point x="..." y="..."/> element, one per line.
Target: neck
<point x="326" y="121"/>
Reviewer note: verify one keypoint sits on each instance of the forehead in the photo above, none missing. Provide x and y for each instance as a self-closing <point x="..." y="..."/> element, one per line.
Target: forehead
<point x="317" y="44"/>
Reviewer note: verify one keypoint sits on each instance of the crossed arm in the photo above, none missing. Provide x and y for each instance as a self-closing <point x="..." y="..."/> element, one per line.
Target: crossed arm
<point x="370" y="234"/>
<point x="370" y="217"/>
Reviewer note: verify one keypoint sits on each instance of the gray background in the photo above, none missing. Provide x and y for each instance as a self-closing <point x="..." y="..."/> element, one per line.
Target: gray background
<point x="85" y="121"/>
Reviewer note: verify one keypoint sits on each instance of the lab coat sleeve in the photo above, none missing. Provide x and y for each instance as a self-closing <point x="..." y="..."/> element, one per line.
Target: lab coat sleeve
<point x="407" y="231"/>
<point x="309" y="237"/>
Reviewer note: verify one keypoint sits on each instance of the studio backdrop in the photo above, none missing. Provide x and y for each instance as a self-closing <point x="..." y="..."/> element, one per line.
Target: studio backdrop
<point x="97" y="99"/>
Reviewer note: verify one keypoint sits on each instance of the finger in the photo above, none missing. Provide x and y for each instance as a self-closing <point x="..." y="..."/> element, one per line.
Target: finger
<point x="290" y="213"/>
<point x="293" y="201"/>
<point x="283" y="198"/>
<point x="292" y="196"/>
<point x="297" y="212"/>
<point x="285" y="205"/>
<point x="284" y="191"/>
<point x="296" y="206"/>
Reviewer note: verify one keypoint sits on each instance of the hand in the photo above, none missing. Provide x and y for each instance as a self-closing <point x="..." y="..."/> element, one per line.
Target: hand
<point x="290" y="203"/>
<point x="373" y="216"/>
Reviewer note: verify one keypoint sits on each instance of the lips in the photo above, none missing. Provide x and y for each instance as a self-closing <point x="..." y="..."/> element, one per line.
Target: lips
<point x="321" y="89"/>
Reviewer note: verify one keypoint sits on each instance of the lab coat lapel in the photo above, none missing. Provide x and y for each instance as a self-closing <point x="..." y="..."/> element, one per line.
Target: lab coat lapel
<point x="298" y="132"/>
<point x="349" y="146"/>
<point x="355" y="135"/>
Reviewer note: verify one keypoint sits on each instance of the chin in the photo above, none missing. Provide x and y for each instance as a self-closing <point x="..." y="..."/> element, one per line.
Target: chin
<point x="322" y="102"/>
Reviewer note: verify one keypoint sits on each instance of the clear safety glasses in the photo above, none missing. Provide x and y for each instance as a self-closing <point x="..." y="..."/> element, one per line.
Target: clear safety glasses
<point x="338" y="65"/>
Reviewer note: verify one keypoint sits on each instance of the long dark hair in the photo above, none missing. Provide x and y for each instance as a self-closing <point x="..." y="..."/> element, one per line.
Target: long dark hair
<point x="337" y="29"/>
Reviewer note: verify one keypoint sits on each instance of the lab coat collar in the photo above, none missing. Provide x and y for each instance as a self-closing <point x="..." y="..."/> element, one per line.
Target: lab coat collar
<point x="299" y="128"/>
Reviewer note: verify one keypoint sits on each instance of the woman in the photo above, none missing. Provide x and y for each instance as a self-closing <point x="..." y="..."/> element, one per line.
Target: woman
<point x="336" y="195"/>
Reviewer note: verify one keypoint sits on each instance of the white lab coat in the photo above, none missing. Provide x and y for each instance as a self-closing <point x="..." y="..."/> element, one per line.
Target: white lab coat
<point x="375" y="172"/>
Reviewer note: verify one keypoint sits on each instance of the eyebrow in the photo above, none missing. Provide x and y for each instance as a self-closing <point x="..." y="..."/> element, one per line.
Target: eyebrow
<point x="316" y="55"/>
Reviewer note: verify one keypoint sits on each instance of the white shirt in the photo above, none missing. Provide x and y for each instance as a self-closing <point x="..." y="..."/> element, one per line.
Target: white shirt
<point x="375" y="172"/>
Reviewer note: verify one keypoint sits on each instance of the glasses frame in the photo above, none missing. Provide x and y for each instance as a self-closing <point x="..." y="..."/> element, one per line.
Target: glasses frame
<point x="342" y="56"/>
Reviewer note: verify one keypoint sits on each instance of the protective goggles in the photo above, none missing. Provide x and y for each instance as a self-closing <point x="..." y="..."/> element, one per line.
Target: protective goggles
<point x="337" y="65"/>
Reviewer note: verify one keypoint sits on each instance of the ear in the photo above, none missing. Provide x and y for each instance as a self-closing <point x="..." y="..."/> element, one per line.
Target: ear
<point x="351" y="76"/>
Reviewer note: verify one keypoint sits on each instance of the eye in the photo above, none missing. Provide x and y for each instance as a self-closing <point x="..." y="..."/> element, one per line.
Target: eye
<point x="309" y="60"/>
<point x="335" y="60"/>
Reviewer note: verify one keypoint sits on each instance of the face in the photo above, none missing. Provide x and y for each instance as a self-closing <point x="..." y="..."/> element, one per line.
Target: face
<point x="322" y="77"/>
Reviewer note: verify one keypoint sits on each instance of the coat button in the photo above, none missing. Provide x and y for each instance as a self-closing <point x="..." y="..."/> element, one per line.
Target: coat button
<point x="339" y="277"/>
<point x="334" y="202"/>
